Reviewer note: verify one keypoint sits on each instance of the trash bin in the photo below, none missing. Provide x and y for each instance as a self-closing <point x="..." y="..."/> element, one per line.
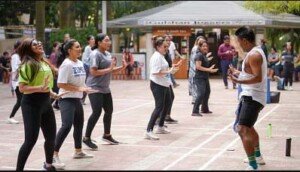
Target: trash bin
<point x="275" y="96"/>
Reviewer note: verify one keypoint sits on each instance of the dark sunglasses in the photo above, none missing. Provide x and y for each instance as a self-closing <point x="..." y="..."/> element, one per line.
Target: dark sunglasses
<point x="36" y="43"/>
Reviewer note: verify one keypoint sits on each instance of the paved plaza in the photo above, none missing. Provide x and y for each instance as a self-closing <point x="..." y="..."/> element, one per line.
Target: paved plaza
<point x="195" y="143"/>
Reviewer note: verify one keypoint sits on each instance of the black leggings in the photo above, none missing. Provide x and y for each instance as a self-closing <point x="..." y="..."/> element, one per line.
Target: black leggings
<point x="172" y="96"/>
<point x="162" y="97"/>
<point x="203" y="91"/>
<point x="99" y="101"/>
<point x="71" y="114"/>
<point x="288" y="73"/>
<point x="18" y="103"/>
<point x="37" y="113"/>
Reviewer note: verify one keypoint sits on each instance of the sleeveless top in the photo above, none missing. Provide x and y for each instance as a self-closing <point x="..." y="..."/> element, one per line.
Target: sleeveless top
<point x="258" y="90"/>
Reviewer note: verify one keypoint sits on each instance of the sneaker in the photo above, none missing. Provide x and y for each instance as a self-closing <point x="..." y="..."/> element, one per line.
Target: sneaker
<point x="250" y="168"/>
<point x="51" y="168"/>
<point x="12" y="121"/>
<point x="57" y="163"/>
<point x="110" y="140"/>
<point x="150" y="136"/>
<point x="206" y="111"/>
<point x="259" y="160"/>
<point x="169" y="120"/>
<point x="285" y="87"/>
<point x="55" y="106"/>
<point x="175" y="85"/>
<point x="162" y="130"/>
<point x="197" y="114"/>
<point x="79" y="155"/>
<point x="290" y="88"/>
<point x="82" y="102"/>
<point x="88" y="142"/>
<point x="226" y="87"/>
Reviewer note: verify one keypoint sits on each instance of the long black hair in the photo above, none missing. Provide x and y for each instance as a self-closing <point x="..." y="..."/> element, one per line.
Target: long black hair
<point x="63" y="51"/>
<point x="98" y="38"/>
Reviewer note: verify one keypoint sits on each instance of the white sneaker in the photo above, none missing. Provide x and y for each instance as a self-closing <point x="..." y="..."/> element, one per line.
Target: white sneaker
<point x="57" y="163"/>
<point x="12" y="121"/>
<point x="250" y="168"/>
<point x="290" y="88"/>
<point x="285" y="87"/>
<point x="149" y="135"/>
<point x="259" y="160"/>
<point x="162" y="130"/>
<point x="78" y="155"/>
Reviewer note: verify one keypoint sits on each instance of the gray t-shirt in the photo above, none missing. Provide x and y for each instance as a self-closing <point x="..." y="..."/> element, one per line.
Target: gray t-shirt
<point x="288" y="57"/>
<point x="73" y="73"/>
<point x="100" y="61"/>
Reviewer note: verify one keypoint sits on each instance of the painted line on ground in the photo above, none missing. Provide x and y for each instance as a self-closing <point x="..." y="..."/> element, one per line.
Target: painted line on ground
<point x="14" y="168"/>
<point x="199" y="146"/>
<point x="134" y="107"/>
<point x="203" y="167"/>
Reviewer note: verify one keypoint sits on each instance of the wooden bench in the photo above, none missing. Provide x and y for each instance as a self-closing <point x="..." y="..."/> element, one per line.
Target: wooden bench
<point x="121" y="75"/>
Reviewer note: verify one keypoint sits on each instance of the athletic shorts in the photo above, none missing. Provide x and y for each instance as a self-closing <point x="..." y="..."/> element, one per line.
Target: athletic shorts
<point x="248" y="111"/>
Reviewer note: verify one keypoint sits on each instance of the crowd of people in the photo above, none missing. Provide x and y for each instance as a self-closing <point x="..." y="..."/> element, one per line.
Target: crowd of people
<point x="68" y="76"/>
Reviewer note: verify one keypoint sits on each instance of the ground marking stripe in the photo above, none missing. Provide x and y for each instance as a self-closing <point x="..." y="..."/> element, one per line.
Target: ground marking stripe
<point x="200" y="145"/>
<point x="234" y="141"/>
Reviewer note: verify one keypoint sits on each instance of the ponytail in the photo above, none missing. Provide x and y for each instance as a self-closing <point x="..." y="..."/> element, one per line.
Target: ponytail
<point x="98" y="38"/>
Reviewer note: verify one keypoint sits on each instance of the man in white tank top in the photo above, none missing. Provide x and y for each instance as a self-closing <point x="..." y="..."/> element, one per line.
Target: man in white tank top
<point x="252" y="78"/>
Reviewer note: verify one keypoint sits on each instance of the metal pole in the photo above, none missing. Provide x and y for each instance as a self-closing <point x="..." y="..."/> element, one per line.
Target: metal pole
<point x="104" y="9"/>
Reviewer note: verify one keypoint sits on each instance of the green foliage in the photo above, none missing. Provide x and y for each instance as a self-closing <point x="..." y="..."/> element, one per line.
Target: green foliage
<point x="79" y="34"/>
<point x="277" y="36"/>
<point x="123" y="8"/>
<point x="51" y="14"/>
<point x="274" y="7"/>
<point x="10" y="10"/>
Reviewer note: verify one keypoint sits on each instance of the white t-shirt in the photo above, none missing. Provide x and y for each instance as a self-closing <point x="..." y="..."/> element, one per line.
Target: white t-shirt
<point x="73" y="73"/>
<point x="158" y="63"/>
<point x="172" y="49"/>
<point x="86" y="55"/>
<point x="15" y="63"/>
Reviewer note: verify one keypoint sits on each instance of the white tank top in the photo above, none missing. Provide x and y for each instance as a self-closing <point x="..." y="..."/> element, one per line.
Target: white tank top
<point x="257" y="90"/>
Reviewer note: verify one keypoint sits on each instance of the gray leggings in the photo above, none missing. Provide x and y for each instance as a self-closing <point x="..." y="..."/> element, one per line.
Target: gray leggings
<point x="71" y="114"/>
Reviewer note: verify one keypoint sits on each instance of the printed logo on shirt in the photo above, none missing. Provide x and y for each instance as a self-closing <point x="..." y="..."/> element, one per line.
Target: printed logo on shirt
<point x="78" y="71"/>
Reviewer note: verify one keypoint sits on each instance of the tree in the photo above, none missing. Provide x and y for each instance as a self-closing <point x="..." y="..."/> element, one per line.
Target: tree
<point x="278" y="7"/>
<point x="274" y="7"/>
<point x="40" y="20"/>
<point x="52" y="19"/>
<point x="11" y="10"/>
<point x="66" y="14"/>
<point x="122" y="8"/>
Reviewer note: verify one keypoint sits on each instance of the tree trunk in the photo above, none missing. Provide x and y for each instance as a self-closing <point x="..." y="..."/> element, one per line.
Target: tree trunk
<point x="96" y="19"/>
<point x="66" y="17"/>
<point x="82" y="21"/>
<point x="40" y="20"/>
<point x="109" y="10"/>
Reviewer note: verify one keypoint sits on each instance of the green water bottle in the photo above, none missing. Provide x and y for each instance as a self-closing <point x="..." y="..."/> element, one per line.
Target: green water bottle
<point x="269" y="131"/>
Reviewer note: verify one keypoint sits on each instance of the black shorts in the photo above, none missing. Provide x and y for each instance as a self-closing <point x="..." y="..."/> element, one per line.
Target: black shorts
<point x="248" y="111"/>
